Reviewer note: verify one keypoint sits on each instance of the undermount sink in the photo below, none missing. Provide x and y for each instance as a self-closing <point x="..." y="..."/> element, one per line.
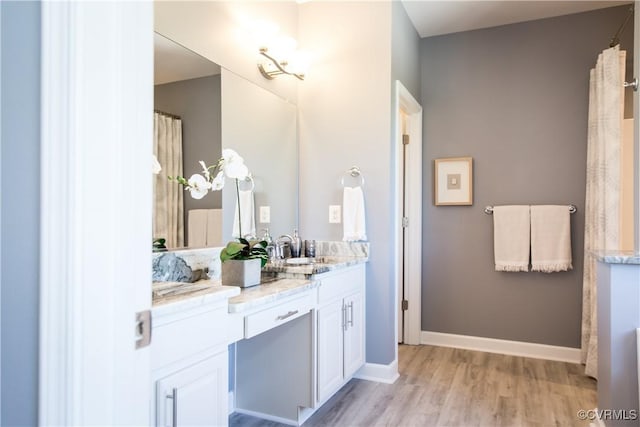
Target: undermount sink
<point x="300" y="261"/>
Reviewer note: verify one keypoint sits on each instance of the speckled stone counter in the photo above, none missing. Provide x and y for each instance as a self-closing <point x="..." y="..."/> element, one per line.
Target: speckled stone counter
<point x="256" y="296"/>
<point x="179" y="296"/>
<point x="174" y="296"/>
<point x="279" y="280"/>
<point x="323" y="264"/>
<point x="617" y="257"/>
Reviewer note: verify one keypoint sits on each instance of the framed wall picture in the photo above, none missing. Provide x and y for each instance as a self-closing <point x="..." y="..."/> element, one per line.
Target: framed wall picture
<point x="453" y="181"/>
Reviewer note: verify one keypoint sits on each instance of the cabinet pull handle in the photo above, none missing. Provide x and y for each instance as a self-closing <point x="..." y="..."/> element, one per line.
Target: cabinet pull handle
<point x="344" y="317"/>
<point x="285" y="316"/>
<point x="174" y="404"/>
<point x="350" y="322"/>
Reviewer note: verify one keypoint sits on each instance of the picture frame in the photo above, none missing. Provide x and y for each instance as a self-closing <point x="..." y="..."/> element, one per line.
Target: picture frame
<point x="453" y="181"/>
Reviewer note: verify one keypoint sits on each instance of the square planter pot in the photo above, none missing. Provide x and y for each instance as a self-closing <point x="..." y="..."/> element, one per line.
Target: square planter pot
<point x="242" y="273"/>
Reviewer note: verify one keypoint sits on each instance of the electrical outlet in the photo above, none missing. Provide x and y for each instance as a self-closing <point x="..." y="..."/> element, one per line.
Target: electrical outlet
<point x="335" y="214"/>
<point x="265" y="214"/>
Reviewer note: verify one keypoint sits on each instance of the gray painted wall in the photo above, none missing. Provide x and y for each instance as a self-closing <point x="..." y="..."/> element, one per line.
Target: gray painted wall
<point x="20" y="211"/>
<point x="405" y="52"/>
<point x="197" y="102"/>
<point x="515" y="98"/>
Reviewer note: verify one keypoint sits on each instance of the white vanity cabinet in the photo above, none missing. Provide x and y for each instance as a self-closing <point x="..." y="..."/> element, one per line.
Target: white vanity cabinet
<point x="340" y="328"/>
<point x="190" y="363"/>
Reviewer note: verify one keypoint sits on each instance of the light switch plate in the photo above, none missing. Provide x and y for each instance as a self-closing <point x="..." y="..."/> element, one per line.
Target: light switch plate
<point x="265" y="214"/>
<point x="335" y="214"/>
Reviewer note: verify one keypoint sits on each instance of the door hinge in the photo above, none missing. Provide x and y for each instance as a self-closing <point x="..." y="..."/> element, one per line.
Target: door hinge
<point x="143" y="329"/>
<point x="405" y="222"/>
<point x="405" y="139"/>
<point x="405" y="305"/>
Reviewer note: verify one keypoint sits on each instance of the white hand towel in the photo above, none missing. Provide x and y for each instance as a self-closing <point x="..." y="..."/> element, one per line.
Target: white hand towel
<point x="197" y="232"/>
<point x="248" y="215"/>
<point x="550" y="238"/>
<point x="353" y="220"/>
<point x="511" y="238"/>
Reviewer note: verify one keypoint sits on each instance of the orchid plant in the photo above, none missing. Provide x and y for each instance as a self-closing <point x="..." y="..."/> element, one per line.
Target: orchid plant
<point x="230" y="165"/>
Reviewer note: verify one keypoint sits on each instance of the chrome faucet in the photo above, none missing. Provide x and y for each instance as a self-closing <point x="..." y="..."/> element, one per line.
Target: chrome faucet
<point x="281" y="246"/>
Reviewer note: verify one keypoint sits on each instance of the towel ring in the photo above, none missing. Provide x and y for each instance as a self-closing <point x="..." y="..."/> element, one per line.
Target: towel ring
<point x="353" y="172"/>
<point x="248" y="179"/>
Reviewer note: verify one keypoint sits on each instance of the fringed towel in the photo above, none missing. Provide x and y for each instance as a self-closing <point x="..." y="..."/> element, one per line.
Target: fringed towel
<point x="247" y="213"/>
<point x="511" y="237"/>
<point x="550" y="238"/>
<point x="353" y="222"/>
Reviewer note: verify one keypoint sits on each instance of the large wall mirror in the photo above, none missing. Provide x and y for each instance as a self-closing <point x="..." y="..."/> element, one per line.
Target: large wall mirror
<point x="201" y="108"/>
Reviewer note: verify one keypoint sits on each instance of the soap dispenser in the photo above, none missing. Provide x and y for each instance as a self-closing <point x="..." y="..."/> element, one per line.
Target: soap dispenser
<point x="270" y="248"/>
<point x="296" y="244"/>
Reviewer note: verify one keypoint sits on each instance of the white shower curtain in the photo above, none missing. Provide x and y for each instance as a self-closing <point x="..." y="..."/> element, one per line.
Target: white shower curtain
<point x="168" y="220"/>
<point x="602" y="204"/>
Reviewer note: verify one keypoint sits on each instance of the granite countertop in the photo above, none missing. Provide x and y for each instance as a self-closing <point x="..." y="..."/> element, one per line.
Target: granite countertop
<point x="175" y="296"/>
<point x="267" y="292"/>
<point x="322" y="264"/>
<point x="618" y="257"/>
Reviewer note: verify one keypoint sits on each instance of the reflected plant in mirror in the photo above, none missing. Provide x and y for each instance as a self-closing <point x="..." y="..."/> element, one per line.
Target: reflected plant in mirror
<point x="231" y="165"/>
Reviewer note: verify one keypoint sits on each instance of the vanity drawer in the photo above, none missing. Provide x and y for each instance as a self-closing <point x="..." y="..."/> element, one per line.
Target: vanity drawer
<point x="337" y="284"/>
<point x="256" y="323"/>
<point x="176" y="339"/>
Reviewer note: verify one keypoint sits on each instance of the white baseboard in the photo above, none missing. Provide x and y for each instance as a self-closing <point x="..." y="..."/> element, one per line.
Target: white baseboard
<point x="232" y="403"/>
<point x="492" y="345"/>
<point x="379" y="373"/>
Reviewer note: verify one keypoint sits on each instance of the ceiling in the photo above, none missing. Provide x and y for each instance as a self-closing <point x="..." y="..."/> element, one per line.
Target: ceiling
<point x="431" y="18"/>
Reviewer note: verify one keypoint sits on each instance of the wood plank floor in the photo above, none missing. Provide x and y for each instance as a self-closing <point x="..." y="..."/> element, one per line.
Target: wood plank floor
<point x="441" y="386"/>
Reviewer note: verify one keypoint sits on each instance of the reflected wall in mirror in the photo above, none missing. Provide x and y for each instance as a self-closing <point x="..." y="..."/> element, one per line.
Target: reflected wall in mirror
<point x="261" y="127"/>
<point x="217" y="109"/>
<point x="187" y="129"/>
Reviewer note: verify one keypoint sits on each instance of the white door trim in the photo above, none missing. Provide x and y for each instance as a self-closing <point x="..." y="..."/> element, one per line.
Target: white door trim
<point x="96" y="190"/>
<point x="413" y="261"/>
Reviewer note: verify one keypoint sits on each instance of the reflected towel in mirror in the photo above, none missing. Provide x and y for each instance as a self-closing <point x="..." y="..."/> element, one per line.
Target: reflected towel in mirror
<point x="247" y="211"/>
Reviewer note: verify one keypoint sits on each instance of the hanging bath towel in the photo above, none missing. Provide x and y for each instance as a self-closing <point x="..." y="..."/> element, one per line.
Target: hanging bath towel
<point x="550" y="238"/>
<point x="353" y="214"/>
<point x="511" y="237"/>
<point x="247" y="213"/>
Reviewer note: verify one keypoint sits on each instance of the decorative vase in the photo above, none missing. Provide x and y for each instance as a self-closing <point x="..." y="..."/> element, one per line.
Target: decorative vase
<point x="242" y="273"/>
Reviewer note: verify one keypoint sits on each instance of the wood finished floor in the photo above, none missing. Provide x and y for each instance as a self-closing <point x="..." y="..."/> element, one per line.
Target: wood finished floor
<point x="441" y="386"/>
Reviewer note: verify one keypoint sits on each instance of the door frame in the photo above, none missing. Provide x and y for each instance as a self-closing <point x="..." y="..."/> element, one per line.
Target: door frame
<point x="404" y="101"/>
<point x="96" y="202"/>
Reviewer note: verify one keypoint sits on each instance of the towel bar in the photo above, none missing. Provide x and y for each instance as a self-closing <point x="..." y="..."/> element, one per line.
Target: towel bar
<point x="489" y="209"/>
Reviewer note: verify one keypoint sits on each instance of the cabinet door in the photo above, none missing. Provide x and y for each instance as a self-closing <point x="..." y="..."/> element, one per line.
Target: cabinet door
<point x="330" y="349"/>
<point x="196" y="395"/>
<point x="354" y="335"/>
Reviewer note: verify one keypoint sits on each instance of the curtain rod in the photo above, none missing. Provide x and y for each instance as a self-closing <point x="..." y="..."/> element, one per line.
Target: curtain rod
<point x="616" y="38"/>
<point x="173" y="116"/>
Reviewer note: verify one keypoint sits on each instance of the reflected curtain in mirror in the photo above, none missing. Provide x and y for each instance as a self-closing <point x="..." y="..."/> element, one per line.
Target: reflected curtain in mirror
<point x="168" y="221"/>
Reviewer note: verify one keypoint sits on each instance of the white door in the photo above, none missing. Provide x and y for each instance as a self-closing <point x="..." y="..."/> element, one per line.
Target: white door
<point x="354" y="334"/>
<point x="193" y="396"/>
<point x="408" y="236"/>
<point x="97" y="104"/>
<point x="330" y="349"/>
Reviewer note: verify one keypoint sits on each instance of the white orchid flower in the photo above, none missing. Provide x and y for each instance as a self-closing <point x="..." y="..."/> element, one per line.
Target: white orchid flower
<point x="205" y="170"/>
<point x="233" y="164"/>
<point x="218" y="182"/>
<point x="236" y="170"/>
<point x="198" y="186"/>
<point x="155" y="165"/>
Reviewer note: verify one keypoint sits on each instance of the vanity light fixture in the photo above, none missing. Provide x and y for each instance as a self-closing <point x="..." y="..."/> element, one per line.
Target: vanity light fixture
<point x="275" y="68"/>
